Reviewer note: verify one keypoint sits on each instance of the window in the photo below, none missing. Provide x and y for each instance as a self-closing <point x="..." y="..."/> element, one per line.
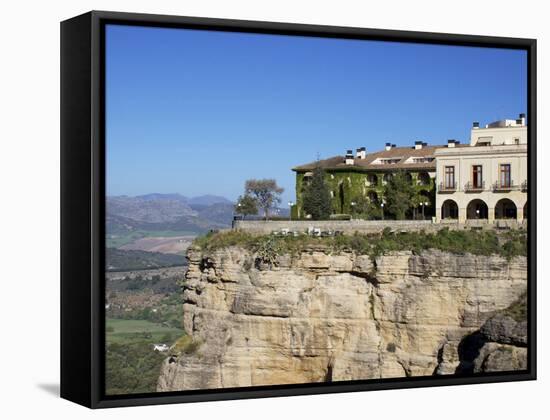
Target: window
<point x="449" y="177"/>
<point x="477" y="176"/>
<point x="423" y="160"/>
<point x="516" y="140"/>
<point x="505" y="175"/>
<point x="390" y="161"/>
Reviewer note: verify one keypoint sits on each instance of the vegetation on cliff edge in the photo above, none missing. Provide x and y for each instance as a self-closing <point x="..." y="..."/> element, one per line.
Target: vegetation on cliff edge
<point x="507" y="244"/>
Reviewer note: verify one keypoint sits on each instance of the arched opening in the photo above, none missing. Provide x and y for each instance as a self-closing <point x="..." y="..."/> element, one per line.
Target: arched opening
<point x="506" y="209"/>
<point x="372" y="179"/>
<point x="477" y="209"/>
<point x="424" y="178"/>
<point x="525" y="211"/>
<point x="372" y="196"/>
<point x="387" y="177"/>
<point x="449" y="210"/>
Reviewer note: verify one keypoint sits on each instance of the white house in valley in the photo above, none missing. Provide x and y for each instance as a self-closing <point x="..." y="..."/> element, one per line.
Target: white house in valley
<point x="486" y="179"/>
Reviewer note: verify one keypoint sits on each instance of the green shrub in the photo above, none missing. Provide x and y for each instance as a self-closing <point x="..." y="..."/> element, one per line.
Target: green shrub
<point x="340" y="217"/>
<point x="186" y="345"/>
<point x="507" y="244"/>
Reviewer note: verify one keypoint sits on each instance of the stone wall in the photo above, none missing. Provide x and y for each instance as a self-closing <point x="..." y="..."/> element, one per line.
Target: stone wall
<point x="366" y="226"/>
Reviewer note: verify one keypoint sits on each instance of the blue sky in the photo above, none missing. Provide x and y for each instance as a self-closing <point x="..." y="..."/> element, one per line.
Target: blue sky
<point x="199" y="112"/>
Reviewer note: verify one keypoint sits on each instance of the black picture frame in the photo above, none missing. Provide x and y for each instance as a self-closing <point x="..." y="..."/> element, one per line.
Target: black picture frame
<point x="83" y="206"/>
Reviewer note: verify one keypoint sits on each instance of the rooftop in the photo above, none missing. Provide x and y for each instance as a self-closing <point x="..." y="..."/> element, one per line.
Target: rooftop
<point x="400" y="158"/>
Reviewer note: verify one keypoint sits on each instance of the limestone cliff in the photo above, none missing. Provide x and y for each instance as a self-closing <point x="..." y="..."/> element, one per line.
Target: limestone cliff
<point x="318" y="316"/>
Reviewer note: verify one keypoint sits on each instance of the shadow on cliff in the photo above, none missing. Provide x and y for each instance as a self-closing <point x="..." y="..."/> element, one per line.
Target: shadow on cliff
<point x="468" y="351"/>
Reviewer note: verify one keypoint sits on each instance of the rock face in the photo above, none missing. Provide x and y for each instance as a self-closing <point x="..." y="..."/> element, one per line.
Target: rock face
<point x="318" y="317"/>
<point x="499" y="345"/>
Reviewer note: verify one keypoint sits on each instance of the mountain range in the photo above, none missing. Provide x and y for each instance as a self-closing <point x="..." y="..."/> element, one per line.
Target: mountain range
<point x="167" y="212"/>
<point x="157" y="212"/>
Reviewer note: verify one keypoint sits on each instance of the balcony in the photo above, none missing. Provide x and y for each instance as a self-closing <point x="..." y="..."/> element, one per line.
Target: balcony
<point x="447" y="187"/>
<point x="472" y="188"/>
<point x="504" y="186"/>
<point x="524" y="186"/>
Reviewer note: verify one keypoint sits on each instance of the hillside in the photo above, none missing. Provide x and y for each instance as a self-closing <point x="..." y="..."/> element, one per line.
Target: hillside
<point x="119" y="260"/>
<point x="167" y="213"/>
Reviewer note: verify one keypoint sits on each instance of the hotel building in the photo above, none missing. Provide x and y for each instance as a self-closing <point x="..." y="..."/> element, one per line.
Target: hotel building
<point x="485" y="180"/>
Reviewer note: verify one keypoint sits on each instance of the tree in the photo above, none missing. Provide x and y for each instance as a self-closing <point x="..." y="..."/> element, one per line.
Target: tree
<point x="246" y="205"/>
<point x="265" y="192"/>
<point x="316" y="196"/>
<point x="416" y="200"/>
<point x="399" y="193"/>
<point x="366" y="209"/>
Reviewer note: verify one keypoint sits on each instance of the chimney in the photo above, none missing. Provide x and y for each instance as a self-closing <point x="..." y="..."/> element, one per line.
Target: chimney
<point x="451" y="143"/>
<point x="362" y="153"/>
<point x="475" y="125"/>
<point x="522" y="118"/>
<point x="388" y="146"/>
<point x="349" y="157"/>
<point x="418" y="144"/>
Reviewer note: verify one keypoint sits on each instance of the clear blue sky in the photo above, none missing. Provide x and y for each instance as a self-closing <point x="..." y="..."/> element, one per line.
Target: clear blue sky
<point x="199" y="112"/>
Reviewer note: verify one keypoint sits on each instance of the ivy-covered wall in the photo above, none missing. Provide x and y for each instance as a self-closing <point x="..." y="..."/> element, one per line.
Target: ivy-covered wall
<point x="349" y="186"/>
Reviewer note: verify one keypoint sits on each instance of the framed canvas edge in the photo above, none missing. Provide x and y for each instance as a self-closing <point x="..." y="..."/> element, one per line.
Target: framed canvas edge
<point x="97" y="192"/>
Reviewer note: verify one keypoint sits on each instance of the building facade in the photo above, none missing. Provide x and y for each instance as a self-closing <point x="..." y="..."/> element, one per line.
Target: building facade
<point x="487" y="178"/>
<point x="483" y="180"/>
<point x="363" y="176"/>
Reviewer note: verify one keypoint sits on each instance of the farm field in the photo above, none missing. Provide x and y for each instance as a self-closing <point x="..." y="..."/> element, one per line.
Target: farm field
<point x="125" y="331"/>
<point x="163" y="244"/>
<point x="120" y="240"/>
<point x="132" y="366"/>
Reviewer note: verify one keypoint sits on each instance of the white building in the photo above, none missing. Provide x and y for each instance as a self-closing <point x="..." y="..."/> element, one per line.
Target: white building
<point x="486" y="179"/>
<point x="161" y="347"/>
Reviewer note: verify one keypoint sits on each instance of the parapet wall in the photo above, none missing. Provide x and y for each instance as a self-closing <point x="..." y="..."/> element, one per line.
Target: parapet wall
<point x="366" y="226"/>
<point x="346" y="226"/>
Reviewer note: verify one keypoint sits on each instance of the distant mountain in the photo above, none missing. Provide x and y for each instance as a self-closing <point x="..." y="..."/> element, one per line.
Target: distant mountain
<point x="159" y="196"/>
<point x="148" y="209"/>
<point x="207" y="200"/>
<point x="220" y="213"/>
<point x="171" y="212"/>
<point x="167" y="212"/>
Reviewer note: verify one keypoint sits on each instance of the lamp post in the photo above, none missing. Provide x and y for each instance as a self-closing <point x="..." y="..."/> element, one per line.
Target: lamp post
<point x="423" y="205"/>
<point x="382" y="205"/>
<point x="290" y="204"/>
<point x="239" y="210"/>
<point x="353" y="203"/>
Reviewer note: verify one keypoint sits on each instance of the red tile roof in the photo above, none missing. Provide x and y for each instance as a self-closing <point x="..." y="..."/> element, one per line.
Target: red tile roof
<point x="403" y="153"/>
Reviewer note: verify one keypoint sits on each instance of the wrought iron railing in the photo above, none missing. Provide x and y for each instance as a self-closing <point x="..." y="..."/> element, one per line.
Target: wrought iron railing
<point x="524" y="186"/>
<point x="504" y="186"/>
<point x="447" y="186"/>
<point x="472" y="187"/>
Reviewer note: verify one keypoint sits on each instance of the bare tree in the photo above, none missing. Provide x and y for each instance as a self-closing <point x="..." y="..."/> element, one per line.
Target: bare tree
<point x="266" y="192"/>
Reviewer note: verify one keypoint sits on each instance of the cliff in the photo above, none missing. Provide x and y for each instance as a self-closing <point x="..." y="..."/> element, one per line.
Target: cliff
<point x="318" y="316"/>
